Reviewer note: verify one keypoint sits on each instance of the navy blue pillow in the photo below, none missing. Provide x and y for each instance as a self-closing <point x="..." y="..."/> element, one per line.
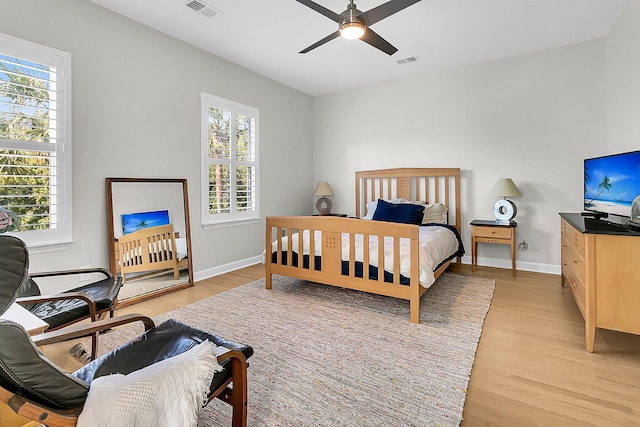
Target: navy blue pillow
<point x="404" y="212"/>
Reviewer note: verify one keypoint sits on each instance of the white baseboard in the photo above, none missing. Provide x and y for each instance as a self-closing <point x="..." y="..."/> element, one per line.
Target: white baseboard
<point x="226" y="268"/>
<point x="520" y="265"/>
<point x="488" y="262"/>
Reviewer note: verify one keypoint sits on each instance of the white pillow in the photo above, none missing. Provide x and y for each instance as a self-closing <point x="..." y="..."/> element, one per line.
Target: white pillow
<point x="371" y="206"/>
<point x="435" y="212"/>
<point x="169" y="392"/>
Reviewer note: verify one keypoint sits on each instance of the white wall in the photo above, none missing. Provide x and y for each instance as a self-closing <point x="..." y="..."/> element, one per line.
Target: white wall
<point x="136" y="113"/>
<point x="533" y="118"/>
<point x="623" y="81"/>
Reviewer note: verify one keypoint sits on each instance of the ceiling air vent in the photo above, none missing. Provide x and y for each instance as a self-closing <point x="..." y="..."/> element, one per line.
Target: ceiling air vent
<point x="408" y="60"/>
<point x="203" y="8"/>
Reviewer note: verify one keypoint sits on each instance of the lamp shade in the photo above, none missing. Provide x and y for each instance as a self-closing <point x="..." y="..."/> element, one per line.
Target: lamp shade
<point x="505" y="188"/>
<point x="323" y="189"/>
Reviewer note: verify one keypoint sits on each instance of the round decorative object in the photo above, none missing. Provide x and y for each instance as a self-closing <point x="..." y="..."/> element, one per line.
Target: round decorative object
<point x="504" y="210"/>
<point x="635" y="210"/>
<point x="323" y="205"/>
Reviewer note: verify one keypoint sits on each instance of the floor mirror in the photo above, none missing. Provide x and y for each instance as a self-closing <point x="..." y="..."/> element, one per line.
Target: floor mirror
<point x="149" y="236"/>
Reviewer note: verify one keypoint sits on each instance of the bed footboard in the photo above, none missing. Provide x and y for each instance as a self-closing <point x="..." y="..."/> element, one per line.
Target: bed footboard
<point x="334" y="262"/>
<point x="152" y="248"/>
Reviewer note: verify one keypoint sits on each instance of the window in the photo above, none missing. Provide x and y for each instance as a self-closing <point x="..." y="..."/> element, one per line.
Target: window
<point x="35" y="139"/>
<point x="229" y="161"/>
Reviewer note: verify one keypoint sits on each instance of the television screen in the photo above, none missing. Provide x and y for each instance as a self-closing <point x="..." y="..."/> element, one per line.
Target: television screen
<point x="611" y="183"/>
<point x="138" y="220"/>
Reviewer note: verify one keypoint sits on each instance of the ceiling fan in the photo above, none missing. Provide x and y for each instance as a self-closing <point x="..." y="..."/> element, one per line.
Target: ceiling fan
<point x="355" y="24"/>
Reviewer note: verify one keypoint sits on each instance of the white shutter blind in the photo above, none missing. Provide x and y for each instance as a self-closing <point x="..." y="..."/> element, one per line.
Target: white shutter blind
<point x="230" y="138"/>
<point x="32" y="159"/>
<point x="245" y="163"/>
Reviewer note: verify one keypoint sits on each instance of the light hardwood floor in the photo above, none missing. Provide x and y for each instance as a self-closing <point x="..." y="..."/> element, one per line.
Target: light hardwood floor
<point x="531" y="367"/>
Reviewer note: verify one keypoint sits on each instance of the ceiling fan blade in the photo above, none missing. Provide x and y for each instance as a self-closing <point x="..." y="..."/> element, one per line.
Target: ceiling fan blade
<point x="376" y="14"/>
<point x="378" y="42"/>
<point x="321" y="42"/>
<point x="321" y="9"/>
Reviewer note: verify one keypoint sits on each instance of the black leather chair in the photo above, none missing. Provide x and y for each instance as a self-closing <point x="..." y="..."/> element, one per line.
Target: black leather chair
<point x="92" y="301"/>
<point x="37" y="389"/>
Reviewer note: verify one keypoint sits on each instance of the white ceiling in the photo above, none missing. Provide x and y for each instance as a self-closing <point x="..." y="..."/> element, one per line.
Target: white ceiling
<point x="266" y="36"/>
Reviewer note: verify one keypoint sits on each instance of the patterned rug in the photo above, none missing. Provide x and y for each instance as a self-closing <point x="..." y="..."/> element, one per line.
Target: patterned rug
<point x="326" y="356"/>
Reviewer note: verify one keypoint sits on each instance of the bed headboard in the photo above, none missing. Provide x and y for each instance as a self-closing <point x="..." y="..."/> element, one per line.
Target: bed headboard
<point x="432" y="185"/>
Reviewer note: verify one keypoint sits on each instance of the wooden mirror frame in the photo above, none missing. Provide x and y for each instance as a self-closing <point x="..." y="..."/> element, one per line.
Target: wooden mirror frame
<point x="111" y="232"/>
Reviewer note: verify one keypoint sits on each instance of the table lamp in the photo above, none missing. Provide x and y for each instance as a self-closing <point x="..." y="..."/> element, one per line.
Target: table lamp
<point x="505" y="210"/>
<point x="323" y="205"/>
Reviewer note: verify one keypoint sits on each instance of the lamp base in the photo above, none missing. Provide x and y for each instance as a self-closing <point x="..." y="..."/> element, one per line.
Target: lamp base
<point x="323" y="205"/>
<point x="505" y="210"/>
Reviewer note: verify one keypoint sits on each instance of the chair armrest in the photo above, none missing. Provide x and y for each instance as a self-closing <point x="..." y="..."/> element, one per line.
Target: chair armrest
<point x="35" y="411"/>
<point x="64" y="296"/>
<point x="56" y="297"/>
<point x="104" y="271"/>
<point x="224" y="353"/>
<point x="86" y="329"/>
<point x="236" y="395"/>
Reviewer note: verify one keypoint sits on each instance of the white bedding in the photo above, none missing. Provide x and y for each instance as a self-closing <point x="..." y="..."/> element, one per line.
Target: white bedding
<point x="436" y="245"/>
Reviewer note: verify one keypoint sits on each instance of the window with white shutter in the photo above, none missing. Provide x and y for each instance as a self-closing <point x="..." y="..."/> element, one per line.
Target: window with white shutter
<point x="229" y="161"/>
<point x="35" y="139"/>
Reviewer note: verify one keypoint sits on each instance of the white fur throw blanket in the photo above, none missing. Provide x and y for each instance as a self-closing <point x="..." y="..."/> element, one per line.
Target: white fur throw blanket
<point x="167" y="393"/>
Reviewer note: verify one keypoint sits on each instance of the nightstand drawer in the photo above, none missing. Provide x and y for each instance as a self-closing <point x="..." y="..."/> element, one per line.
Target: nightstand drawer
<point x="492" y="232"/>
<point x="497" y="240"/>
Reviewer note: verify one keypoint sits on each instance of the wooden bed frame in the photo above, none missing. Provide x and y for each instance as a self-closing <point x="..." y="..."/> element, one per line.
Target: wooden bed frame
<point x="155" y="249"/>
<point x="424" y="184"/>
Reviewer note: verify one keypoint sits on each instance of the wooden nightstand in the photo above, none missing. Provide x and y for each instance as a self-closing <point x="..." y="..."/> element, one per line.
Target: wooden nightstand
<point x="491" y="232"/>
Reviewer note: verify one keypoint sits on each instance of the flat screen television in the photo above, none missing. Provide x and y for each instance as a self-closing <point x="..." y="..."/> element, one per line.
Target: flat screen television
<point x="138" y="220"/>
<point x="611" y="183"/>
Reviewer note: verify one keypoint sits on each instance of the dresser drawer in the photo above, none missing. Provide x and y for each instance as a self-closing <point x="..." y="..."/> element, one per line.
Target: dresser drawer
<point x="564" y="227"/>
<point x="565" y="252"/>
<point x="492" y="232"/>
<point x="578" y="265"/>
<point x="576" y="239"/>
<point x="579" y="293"/>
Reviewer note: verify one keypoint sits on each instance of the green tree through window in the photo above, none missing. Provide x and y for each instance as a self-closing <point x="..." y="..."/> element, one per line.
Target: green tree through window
<point x="25" y="178"/>
<point x="35" y="144"/>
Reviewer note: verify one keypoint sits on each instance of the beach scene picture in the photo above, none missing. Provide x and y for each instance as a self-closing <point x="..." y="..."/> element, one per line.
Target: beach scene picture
<point x="138" y="220"/>
<point x="611" y="183"/>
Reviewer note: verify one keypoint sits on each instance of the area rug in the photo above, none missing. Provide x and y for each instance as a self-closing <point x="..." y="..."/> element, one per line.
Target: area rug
<point x="327" y="356"/>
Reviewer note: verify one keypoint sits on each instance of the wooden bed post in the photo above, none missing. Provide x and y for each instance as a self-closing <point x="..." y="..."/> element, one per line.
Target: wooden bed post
<point x="415" y="292"/>
<point x="267" y="261"/>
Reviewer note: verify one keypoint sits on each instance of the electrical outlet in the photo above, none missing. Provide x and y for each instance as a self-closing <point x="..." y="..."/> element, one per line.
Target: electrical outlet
<point x="85" y="276"/>
<point x="523" y="246"/>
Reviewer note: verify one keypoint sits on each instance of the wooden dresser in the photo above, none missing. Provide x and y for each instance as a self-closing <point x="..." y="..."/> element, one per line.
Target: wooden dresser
<point x="600" y="262"/>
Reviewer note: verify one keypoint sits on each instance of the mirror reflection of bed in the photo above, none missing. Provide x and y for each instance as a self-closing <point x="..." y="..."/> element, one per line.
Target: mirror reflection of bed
<point x="149" y="235"/>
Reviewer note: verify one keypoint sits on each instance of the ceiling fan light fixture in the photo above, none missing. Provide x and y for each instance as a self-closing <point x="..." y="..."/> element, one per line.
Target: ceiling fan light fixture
<point x="352" y="30"/>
